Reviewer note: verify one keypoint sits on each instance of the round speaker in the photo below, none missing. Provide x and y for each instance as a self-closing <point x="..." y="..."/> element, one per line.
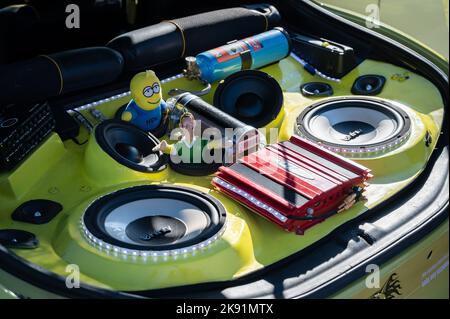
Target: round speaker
<point x="368" y="85"/>
<point x="316" y="89"/>
<point x="251" y="96"/>
<point x="158" y="132"/>
<point x="154" y="220"/>
<point x="130" y="146"/>
<point x="355" y="126"/>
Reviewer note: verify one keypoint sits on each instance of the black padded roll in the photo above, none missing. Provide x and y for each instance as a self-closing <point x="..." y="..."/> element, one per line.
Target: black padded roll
<point x="17" y="25"/>
<point x="32" y="80"/>
<point x="89" y="67"/>
<point x="149" y="46"/>
<point x="170" y="40"/>
<point x="48" y="76"/>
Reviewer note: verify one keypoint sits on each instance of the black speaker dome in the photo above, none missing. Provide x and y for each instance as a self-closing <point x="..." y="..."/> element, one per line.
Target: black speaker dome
<point x="251" y="96"/>
<point x="154" y="220"/>
<point x="130" y="146"/>
<point x="355" y="126"/>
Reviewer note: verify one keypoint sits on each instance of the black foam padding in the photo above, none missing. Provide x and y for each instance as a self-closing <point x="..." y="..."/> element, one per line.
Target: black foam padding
<point x="251" y="96"/>
<point x="208" y="30"/>
<point x="376" y="82"/>
<point x="284" y="192"/>
<point x="18" y="239"/>
<point x="171" y="40"/>
<point x="44" y="77"/>
<point x="130" y="146"/>
<point x="37" y="211"/>
<point x="88" y="67"/>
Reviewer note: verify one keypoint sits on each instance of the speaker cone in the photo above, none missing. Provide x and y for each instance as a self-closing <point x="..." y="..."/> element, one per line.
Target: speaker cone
<point x="154" y="220"/>
<point x="368" y="85"/>
<point x="251" y="96"/>
<point x="355" y="126"/>
<point x="316" y="89"/>
<point x="130" y="146"/>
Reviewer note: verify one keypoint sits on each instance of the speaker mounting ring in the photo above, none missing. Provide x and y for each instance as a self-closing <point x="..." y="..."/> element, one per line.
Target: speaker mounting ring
<point x="355" y="126"/>
<point x="102" y="220"/>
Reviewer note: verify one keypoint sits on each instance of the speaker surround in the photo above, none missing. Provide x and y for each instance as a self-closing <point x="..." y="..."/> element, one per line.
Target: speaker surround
<point x="153" y="221"/>
<point x="130" y="146"/>
<point x="251" y="96"/>
<point x="355" y="126"/>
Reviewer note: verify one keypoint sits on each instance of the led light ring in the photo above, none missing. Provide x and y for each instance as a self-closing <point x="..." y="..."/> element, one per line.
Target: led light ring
<point x="119" y="96"/>
<point x="117" y="250"/>
<point x="250" y="198"/>
<point x="363" y="150"/>
<point x="93" y="237"/>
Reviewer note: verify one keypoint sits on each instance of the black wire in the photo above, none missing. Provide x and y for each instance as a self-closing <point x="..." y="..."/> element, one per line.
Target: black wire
<point x="204" y="91"/>
<point x="84" y="117"/>
<point x="323" y="216"/>
<point x="75" y="140"/>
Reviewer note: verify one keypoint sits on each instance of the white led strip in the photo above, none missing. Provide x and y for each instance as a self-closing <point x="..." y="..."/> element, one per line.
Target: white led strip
<point x="121" y="95"/>
<point x="155" y="255"/>
<point x="252" y="199"/>
<point x="366" y="151"/>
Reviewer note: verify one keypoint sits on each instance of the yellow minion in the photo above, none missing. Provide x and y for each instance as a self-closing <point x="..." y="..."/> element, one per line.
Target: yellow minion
<point x="147" y="106"/>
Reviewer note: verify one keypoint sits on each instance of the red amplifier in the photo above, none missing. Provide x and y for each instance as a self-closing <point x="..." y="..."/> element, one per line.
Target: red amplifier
<point x="295" y="184"/>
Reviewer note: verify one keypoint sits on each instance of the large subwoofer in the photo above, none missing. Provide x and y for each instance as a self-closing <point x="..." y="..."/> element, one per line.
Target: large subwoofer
<point x="130" y="146"/>
<point x="355" y="126"/>
<point x="251" y="96"/>
<point x="154" y="220"/>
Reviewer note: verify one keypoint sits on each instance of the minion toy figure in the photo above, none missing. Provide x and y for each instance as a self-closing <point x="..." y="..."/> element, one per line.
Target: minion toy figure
<point x="146" y="108"/>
